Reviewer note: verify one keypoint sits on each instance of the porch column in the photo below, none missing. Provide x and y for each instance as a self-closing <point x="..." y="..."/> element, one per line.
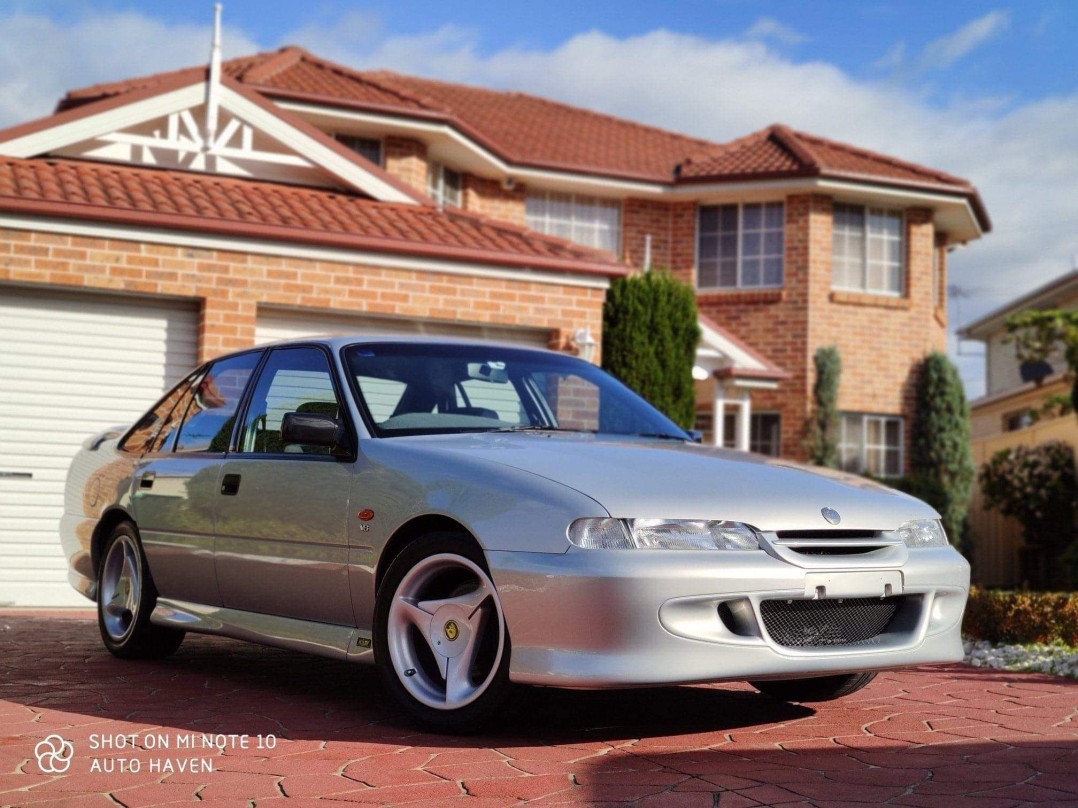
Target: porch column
<point x="743" y="421"/>
<point x="718" y="415"/>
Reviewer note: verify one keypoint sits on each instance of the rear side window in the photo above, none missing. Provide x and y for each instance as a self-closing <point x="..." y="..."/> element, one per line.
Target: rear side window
<point x="292" y="380"/>
<point x="211" y="414"/>
<point x="154" y="424"/>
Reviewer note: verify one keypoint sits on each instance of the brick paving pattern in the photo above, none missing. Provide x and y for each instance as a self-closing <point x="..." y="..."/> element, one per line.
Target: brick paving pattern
<point x="951" y="736"/>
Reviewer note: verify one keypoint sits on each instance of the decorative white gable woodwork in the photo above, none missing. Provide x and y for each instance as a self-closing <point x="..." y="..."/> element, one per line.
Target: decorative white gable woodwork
<point x="178" y="141"/>
<point x="173" y="130"/>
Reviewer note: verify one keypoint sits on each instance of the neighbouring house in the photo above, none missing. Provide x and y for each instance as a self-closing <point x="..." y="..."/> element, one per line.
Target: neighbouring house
<point x="157" y="221"/>
<point x="1009" y="414"/>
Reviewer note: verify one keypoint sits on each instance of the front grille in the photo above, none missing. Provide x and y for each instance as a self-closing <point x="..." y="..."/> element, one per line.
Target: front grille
<point x="815" y="623"/>
<point x="827" y="534"/>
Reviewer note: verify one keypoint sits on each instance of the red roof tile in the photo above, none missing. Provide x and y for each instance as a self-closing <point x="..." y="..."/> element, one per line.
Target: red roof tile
<point x="779" y="150"/>
<point x="207" y="203"/>
<point x="532" y="131"/>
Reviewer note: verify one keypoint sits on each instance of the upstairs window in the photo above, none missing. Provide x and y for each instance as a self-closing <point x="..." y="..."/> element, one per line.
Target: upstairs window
<point x="444" y="186"/>
<point x="867" y="247"/>
<point x="740" y="246"/>
<point x="368" y="147"/>
<point x="586" y="220"/>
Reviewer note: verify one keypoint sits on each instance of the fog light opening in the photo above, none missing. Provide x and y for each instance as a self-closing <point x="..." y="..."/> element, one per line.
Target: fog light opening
<point x="738" y="618"/>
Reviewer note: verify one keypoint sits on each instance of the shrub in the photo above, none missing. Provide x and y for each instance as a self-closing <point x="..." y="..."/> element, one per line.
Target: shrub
<point x="941" y="464"/>
<point x="1037" y="486"/>
<point x="824" y="425"/>
<point x="650" y="334"/>
<point x="1037" y="334"/>
<point x="1022" y="617"/>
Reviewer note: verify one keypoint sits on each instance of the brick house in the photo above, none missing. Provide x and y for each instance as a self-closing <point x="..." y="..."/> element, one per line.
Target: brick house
<point x="1010" y="414"/>
<point x="153" y="222"/>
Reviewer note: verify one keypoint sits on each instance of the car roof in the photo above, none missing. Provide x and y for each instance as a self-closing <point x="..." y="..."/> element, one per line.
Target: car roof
<point x="338" y="341"/>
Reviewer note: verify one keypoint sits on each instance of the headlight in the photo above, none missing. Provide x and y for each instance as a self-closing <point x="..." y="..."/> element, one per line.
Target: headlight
<point x="923" y="533"/>
<point x="662" y="534"/>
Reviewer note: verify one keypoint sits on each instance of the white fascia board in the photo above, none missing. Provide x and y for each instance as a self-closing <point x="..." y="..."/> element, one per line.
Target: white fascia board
<point x="739" y="357"/>
<point x="317" y="153"/>
<point x="905" y="197"/>
<point x="598" y="185"/>
<point x="103" y="123"/>
<point x="157" y="235"/>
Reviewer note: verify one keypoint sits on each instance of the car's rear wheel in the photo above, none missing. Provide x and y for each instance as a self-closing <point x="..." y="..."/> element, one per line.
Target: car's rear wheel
<point x="125" y="598"/>
<point x="822" y="688"/>
<point x="441" y="644"/>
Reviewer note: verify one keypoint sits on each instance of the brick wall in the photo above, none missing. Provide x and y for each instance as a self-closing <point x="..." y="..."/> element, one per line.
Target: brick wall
<point x="406" y="159"/>
<point x="490" y="198"/>
<point x="230" y="286"/>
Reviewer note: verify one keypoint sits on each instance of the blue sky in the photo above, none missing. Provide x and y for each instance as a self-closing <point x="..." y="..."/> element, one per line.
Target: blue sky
<point x="983" y="90"/>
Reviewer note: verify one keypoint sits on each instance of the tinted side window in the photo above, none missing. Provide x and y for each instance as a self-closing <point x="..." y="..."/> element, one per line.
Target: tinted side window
<point x="141" y="436"/>
<point x="163" y="441"/>
<point x="212" y="411"/>
<point x="292" y="380"/>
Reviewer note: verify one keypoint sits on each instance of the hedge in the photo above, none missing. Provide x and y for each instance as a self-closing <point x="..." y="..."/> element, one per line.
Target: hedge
<point x="1022" y="617"/>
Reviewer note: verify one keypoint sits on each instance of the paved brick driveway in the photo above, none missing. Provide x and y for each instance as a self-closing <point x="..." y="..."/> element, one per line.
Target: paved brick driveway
<point x="954" y="736"/>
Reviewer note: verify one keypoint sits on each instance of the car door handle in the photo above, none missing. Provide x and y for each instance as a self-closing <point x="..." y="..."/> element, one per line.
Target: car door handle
<point x="146" y="480"/>
<point x="230" y="485"/>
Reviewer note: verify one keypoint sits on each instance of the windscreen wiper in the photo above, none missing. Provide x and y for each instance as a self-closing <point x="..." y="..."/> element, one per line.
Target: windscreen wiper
<point x="661" y="436"/>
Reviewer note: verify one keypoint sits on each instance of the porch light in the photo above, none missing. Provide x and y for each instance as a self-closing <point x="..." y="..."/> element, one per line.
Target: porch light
<point x="700" y="374"/>
<point x="585" y="344"/>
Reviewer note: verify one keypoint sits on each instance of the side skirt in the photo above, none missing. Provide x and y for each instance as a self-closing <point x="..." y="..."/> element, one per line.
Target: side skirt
<point x="336" y="642"/>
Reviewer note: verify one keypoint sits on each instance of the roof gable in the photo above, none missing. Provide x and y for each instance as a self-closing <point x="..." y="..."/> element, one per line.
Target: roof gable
<point x="161" y="124"/>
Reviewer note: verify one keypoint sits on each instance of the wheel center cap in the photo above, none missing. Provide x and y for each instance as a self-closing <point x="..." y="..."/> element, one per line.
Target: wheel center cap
<point x="449" y="631"/>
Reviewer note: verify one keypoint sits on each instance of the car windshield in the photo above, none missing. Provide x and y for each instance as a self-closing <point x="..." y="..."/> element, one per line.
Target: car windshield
<point x="424" y="389"/>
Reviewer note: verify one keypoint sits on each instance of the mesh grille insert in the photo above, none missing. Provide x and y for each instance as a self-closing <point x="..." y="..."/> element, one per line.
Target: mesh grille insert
<point x="815" y="623"/>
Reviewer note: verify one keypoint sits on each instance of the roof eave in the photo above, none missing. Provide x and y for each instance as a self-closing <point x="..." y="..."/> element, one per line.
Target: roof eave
<point x="306" y="236"/>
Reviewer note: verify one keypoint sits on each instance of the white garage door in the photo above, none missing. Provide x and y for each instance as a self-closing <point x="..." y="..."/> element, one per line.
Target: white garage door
<point x="70" y="366"/>
<point x="278" y="324"/>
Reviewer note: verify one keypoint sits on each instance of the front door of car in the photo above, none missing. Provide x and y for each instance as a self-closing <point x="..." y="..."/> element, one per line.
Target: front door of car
<point x="282" y="508"/>
<point x="175" y="481"/>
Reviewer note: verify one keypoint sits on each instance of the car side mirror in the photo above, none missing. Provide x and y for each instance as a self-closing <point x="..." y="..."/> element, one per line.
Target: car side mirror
<point x="314" y="429"/>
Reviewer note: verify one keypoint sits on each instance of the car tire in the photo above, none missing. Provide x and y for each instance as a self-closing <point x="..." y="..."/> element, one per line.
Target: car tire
<point x="822" y="688"/>
<point x="441" y="644"/>
<point x="126" y="597"/>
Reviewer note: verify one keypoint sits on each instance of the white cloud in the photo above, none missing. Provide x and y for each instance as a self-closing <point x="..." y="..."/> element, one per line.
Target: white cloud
<point x="1021" y="155"/>
<point x="945" y="51"/>
<point x="770" y="28"/>
<point x="40" y="59"/>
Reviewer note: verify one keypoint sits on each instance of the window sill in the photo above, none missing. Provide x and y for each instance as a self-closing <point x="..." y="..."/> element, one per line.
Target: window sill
<point x="868" y="299"/>
<point x="771" y="295"/>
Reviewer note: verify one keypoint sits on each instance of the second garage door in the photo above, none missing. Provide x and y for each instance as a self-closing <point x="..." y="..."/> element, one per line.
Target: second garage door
<point x="279" y="324"/>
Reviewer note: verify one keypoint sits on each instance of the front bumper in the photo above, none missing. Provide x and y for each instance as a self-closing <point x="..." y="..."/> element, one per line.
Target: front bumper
<point x="620" y="618"/>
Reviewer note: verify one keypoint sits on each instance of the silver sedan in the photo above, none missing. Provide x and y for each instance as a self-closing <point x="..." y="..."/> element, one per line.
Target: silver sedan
<point x="471" y="516"/>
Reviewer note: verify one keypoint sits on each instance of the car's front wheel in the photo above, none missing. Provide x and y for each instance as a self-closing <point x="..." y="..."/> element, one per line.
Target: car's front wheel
<point x="821" y="688"/>
<point x="440" y="640"/>
<point x="125" y="598"/>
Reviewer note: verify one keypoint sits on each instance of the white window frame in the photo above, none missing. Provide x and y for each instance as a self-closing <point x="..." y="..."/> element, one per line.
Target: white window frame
<point x="863" y="419"/>
<point x="546" y="224"/>
<point x="444" y="195"/>
<point x="348" y="141"/>
<point x="867" y="211"/>
<point x="740" y="235"/>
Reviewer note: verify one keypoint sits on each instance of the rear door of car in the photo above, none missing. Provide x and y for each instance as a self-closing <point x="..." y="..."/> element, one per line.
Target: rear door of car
<point x="282" y="509"/>
<point x="176" y="481"/>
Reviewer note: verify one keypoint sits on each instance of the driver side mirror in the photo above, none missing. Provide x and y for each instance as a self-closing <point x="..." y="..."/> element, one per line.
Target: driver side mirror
<point x="315" y="429"/>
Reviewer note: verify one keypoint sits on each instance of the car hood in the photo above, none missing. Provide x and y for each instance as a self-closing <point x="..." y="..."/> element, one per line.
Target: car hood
<point x="649" y="478"/>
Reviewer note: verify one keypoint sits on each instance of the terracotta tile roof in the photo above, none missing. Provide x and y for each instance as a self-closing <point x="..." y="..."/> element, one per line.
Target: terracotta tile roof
<point x="531" y="131"/>
<point x="779" y="150"/>
<point x="213" y="204"/>
<point x="523" y="129"/>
